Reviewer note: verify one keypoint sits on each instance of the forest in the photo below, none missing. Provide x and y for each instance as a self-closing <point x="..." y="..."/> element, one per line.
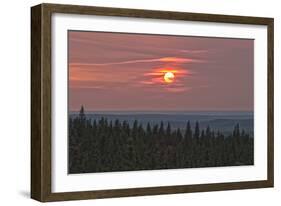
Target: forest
<point x="107" y="146"/>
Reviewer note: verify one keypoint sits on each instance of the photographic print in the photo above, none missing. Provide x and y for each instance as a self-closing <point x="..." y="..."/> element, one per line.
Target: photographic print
<point x="129" y="102"/>
<point x="150" y="102"/>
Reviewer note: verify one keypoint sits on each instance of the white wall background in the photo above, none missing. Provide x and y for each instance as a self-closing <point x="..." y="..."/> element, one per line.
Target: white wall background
<point x="15" y="102"/>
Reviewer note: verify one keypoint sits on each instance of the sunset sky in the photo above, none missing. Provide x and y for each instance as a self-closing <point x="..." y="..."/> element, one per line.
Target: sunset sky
<point x="141" y="72"/>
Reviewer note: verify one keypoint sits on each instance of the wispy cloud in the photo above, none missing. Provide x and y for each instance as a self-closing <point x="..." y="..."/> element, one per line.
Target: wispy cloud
<point x="189" y="51"/>
<point x="178" y="89"/>
<point x="163" y="60"/>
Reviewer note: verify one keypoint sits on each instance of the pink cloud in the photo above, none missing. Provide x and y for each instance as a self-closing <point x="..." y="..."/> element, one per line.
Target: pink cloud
<point x="163" y="60"/>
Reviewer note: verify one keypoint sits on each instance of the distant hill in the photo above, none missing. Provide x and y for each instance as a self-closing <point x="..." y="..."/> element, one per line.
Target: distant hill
<point x="223" y="121"/>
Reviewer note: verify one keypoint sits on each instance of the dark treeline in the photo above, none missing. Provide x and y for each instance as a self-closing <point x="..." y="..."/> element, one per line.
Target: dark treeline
<point x="103" y="146"/>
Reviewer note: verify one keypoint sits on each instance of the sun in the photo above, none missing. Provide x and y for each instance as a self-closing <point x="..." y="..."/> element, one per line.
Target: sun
<point x="169" y="77"/>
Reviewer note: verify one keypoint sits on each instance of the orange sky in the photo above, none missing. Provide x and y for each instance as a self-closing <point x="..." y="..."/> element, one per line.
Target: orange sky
<point x="124" y="72"/>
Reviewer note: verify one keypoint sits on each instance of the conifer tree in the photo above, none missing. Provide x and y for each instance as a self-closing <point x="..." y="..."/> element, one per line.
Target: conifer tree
<point x="100" y="145"/>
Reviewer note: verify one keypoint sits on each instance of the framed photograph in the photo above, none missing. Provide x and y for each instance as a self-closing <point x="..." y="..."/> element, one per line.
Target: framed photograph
<point x="132" y="102"/>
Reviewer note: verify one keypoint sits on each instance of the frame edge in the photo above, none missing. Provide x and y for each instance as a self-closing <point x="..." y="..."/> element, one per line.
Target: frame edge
<point x="270" y="93"/>
<point x="157" y="14"/>
<point x="36" y="138"/>
<point x="40" y="103"/>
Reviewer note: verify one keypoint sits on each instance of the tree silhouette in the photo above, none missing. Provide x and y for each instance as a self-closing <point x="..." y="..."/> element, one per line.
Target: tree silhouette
<point x="103" y="146"/>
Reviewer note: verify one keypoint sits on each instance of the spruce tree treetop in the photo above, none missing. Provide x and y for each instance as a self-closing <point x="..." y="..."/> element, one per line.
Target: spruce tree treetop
<point x="82" y="113"/>
<point x="197" y="130"/>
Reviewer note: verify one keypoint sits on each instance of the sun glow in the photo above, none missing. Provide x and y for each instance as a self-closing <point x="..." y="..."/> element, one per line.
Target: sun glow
<point x="169" y="77"/>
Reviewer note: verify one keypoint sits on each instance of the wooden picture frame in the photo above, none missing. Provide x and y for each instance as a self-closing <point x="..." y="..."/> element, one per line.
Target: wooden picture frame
<point x="41" y="98"/>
